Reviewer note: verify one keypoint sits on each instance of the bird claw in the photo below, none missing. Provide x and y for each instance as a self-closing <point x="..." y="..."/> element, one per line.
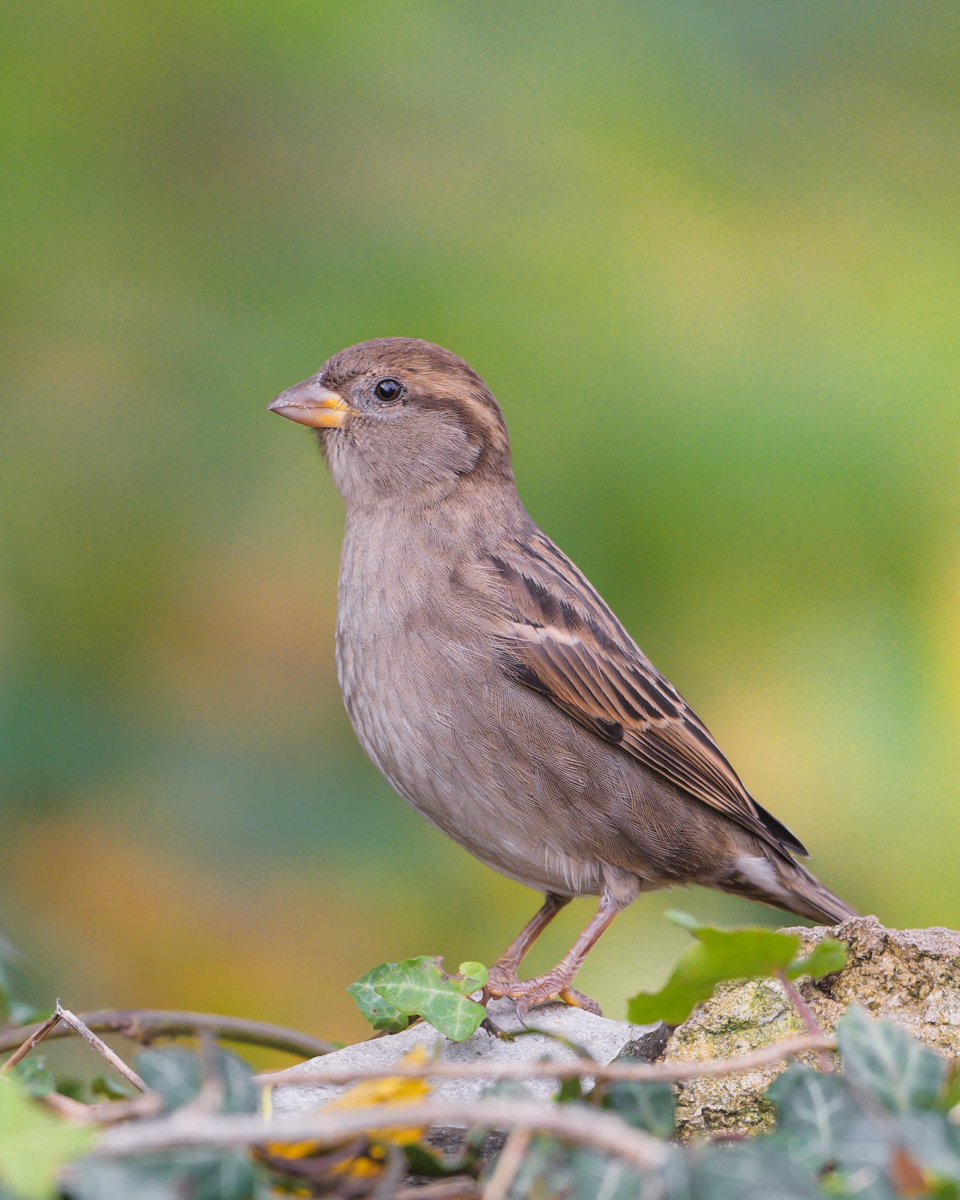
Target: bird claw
<point x="532" y="993"/>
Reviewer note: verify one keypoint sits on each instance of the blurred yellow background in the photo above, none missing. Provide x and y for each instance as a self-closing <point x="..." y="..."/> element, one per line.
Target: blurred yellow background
<point x="707" y="257"/>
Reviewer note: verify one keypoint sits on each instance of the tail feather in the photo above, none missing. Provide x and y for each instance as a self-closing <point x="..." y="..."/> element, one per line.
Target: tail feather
<point x="787" y="885"/>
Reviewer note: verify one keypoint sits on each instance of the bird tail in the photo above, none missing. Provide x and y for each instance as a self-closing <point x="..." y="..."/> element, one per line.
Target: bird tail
<point x="787" y="885"/>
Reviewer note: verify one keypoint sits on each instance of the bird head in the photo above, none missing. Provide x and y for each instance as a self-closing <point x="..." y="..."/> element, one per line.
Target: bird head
<point x="396" y="417"/>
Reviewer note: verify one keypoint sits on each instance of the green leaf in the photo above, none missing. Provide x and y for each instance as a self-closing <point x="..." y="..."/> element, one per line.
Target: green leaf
<point x="553" y="1169"/>
<point x="474" y="977"/>
<point x="719" y="955"/>
<point x="34" y="1077"/>
<point x="381" y="1015"/>
<point x="827" y="958"/>
<point x="33" y="1144"/>
<point x="886" y="1061"/>
<point x="817" y="1115"/>
<point x="111" y="1089"/>
<point x="647" y="1106"/>
<point x="418" y="987"/>
<point x="198" y="1174"/>
<point x="177" y="1075"/>
<point x="570" y="1091"/>
<point x="763" y="1169"/>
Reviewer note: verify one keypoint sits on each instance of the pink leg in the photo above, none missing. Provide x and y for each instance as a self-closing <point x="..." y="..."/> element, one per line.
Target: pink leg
<point x="556" y="984"/>
<point x="503" y="974"/>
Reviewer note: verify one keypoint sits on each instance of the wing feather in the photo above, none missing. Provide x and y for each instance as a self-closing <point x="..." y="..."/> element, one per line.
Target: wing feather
<point x="563" y="641"/>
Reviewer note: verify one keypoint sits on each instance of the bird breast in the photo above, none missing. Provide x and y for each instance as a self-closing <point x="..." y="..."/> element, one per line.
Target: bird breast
<point x="435" y="713"/>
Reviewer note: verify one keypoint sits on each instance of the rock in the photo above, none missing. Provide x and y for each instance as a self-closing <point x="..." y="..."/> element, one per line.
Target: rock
<point x="909" y="976"/>
<point x="601" y="1038"/>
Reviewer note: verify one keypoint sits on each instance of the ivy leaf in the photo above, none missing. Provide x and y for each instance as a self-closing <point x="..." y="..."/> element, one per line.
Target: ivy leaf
<point x="553" y="1169"/>
<point x="719" y="955"/>
<point x="198" y="1174"/>
<point x="827" y="958"/>
<point x="647" y="1106"/>
<point x="178" y="1075"/>
<point x="474" y="976"/>
<point x="34" y="1077"/>
<point x="887" y="1062"/>
<point x="381" y="1014"/>
<point x="389" y="995"/>
<point x="111" y="1089"/>
<point x="722" y="955"/>
<point x="33" y="1144"/>
<point x="418" y="987"/>
<point x="761" y="1170"/>
<point x="816" y="1115"/>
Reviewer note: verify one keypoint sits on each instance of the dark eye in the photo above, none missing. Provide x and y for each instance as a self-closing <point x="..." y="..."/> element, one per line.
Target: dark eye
<point x="388" y="390"/>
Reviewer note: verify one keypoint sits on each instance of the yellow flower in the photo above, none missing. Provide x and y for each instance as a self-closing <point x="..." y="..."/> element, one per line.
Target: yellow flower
<point x="394" y="1091"/>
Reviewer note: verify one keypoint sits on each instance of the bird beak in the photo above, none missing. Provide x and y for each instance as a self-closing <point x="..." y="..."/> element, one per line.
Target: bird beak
<point x="309" y="403"/>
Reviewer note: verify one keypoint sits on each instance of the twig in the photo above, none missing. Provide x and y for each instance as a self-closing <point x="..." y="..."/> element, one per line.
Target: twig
<point x="150" y="1104"/>
<point x="508" y="1164"/>
<point x="143" y="1025"/>
<point x="806" y="1014"/>
<point x="66" y="1106"/>
<point x="675" y="1072"/>
<point x="34" y="1037"/>
<point x="600" y="1131"/>
<point x="101" y="1047"/>
<point x="462" y="1188"/>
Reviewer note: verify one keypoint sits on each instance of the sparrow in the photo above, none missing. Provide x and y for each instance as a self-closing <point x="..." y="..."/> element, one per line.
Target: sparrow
<point x="496" y="690"/>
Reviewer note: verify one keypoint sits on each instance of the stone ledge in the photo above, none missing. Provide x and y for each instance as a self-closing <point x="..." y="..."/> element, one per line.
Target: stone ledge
<point x="910" y="976"/>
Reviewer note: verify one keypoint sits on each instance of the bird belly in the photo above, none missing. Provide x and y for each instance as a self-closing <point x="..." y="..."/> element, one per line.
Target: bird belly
<point x="446" y="748"/>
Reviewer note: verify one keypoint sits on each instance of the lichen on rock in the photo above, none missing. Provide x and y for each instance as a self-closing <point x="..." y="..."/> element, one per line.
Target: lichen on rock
<point x="908" y="976"/>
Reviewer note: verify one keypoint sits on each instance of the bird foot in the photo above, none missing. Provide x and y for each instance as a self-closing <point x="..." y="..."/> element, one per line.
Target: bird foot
<point x="532" y="993"/>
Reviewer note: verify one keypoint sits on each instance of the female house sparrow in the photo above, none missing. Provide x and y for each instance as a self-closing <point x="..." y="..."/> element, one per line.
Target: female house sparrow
<point x="492" y="685"/>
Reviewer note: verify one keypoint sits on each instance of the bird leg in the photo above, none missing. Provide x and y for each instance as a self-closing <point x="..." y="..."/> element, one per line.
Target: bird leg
<point x="503" y="974"/>
<point x="556" y="984"/>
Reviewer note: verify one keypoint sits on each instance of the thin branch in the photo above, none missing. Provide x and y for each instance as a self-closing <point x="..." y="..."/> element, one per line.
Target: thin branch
<point x="600" y="1131"/>
<point x="441" y="1189"/>
<point x="508" y="1164"/>
<point x="806" y="1015"/>
<point x="101" y="1047"/>
<point x="144" y="1025"/>
<point x="34" y="1037"/>
<point x="674" y="1072"/>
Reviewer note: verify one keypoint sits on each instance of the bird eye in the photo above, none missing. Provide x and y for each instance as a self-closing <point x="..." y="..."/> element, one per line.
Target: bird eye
<point x="388" y="390"/>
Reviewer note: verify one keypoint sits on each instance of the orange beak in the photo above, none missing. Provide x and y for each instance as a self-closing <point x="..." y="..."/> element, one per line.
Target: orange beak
<point x="309" y="403"/>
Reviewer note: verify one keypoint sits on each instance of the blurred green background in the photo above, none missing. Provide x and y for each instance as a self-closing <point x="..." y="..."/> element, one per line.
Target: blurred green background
<point x="707" y="256"/>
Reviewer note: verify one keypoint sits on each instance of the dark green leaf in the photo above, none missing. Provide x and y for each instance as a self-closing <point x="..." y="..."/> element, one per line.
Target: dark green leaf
<point x="22" y="1013"/>
<point x="34" y="1077"/>
<point x="933" y="1142"/>
<point x="180" y="1175"/>
<point x="827" y="958"/>
<point x="381" y="1014"/>
<point x="887" y="1062"/>
<point x="647" y="1106"/>
<point x="718" y="956"/>
<point x="815" y="1113"/>
<point x="177" y="1075"/>
<point x="552" y="1169"/>
<point x="761" y="1169"/>
<point x="570" y="1091"/>
<point x="110" y="1088"/>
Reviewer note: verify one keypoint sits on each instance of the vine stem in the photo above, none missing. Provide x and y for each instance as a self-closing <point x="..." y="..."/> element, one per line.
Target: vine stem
<point x="807" y="1016"/>
<point x="675" y="1072"/>
<point x="598" y="1130"/>
<point x="144" y="1025"/>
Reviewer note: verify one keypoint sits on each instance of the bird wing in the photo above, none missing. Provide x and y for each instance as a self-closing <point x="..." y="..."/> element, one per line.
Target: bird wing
<point x="563" y="641"/>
